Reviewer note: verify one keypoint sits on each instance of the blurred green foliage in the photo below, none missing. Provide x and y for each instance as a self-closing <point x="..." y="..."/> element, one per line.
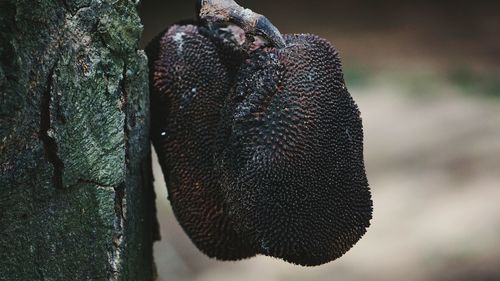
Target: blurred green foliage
<point x="357" y="76"/>
<point x="474" y="83"/>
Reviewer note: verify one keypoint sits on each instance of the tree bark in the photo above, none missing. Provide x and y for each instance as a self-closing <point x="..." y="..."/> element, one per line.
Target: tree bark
<point x="76" y="194"/>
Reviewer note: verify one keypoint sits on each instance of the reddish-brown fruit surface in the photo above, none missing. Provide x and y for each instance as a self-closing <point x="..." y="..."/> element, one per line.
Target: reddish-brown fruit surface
<point x="189" y="85"/>
<point x="293" y="170"/>
<point x="262" y="151"/>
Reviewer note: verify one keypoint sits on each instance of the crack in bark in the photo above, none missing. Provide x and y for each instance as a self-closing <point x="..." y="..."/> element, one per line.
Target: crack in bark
<point x="115" y="256"/>
<point x="124" y="108"/>
<point x="119" y="198"/>
<point x="46" y="133"/>
<point x="120" y="202"/>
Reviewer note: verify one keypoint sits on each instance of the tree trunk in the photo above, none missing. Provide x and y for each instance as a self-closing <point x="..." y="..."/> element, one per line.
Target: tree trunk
<point x="76" y="194"/>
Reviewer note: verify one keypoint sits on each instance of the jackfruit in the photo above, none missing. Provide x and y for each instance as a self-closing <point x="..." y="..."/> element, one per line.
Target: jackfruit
<point x="292" y="166"/>
<point x="189" y="84"/>
<point x="261" y="147"/>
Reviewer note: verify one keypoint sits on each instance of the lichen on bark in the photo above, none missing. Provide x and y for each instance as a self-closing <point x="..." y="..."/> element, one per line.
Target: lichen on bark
<point x="76" y="198"/>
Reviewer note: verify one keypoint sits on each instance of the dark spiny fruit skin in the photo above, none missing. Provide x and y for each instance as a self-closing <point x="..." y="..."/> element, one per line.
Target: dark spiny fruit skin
<point x="265" y="159"/>
<point x="292" y="167"/>
<point x="189" y="85"/>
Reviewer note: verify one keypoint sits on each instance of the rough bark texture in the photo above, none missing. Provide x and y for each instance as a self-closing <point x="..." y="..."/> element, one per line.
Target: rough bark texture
<point x="76" y="195"/>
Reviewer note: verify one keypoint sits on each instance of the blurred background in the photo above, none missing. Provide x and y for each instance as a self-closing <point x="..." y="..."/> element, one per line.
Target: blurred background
<point x="426" y="76"/>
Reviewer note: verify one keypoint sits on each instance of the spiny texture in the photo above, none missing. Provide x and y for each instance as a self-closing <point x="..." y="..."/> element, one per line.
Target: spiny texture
<point x="292" y="168"/>
<point x="189" y="87"/>
<point x="262" y="150"/>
